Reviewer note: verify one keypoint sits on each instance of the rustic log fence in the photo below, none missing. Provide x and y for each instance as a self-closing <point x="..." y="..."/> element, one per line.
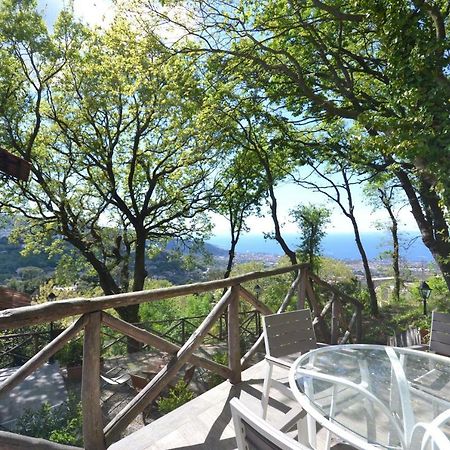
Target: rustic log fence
<point x="17" y="348"/>
<point x="93" y="317"/>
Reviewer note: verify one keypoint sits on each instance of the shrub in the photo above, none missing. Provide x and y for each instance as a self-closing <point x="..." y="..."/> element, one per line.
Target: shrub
<point x="178" y="395"/>
<point x="213" y="378"/>
<point x="62" y="424"/>
<point x="71" y="354"/>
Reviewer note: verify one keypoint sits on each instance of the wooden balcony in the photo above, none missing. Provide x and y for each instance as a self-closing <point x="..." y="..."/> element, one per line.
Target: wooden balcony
<point x="337" y="319"/>
<point x="205" y="422"/>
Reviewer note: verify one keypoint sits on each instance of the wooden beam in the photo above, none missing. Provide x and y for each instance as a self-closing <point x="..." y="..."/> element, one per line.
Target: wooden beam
<point x="257" y="304"/>
<point x="358" y="324"/>
<point x="42" y="356"/>
<point x="157" y="384"/>
<point x="290" y="292"/>
<point x="51" y="311"/>
<point x="301" y="288"/>
<point x="234" y="338"/>
<point x="335" y="313"/>
<point x="349" y="328"/>
<point x="146" y="337"/>
<point x="336" y="291"/>
<point x="12" y="441"/>
<point x="326" y="335"/>
<point x="90" y="387"/>
<point x="245" y="360"/>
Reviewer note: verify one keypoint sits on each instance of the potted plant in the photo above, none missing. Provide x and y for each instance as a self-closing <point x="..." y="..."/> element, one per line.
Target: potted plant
<point x="71" y="356"/>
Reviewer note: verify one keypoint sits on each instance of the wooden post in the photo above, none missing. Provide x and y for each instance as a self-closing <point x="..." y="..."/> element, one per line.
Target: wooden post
<point x="335" y="307"/>
<point x="326" y="335"/>
<point x="301" y="288"/>
<point x="358" y="324"/>
<point x="234" y="350"/>
<point x="90" y="386"/>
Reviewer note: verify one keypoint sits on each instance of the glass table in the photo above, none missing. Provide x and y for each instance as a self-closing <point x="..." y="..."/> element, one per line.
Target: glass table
<point x="373" y="396"/>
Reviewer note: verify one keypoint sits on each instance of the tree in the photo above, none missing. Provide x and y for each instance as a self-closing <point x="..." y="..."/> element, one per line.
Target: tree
<point x="311" y="220"/>
<point x="380" y="67"/>
<point x="384" y="193"/>
<point x="340" y="192"/>
<point x="110" y="126"/>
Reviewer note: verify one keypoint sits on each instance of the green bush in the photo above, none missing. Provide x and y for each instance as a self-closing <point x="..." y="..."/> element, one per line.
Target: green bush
<point x="62" y="424"/>
<point x="71" y="354"/>
<point x="178" y="395"/>
<point x="213" y="378"/>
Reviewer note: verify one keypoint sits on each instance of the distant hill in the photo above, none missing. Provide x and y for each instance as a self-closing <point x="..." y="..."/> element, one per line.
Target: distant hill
<point x="11" y="260"/>
<point x="208" y="248"/>
<point x="164" y="265"/>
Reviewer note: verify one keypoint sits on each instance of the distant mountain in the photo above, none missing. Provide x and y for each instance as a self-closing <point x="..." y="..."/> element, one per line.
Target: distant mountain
<point x="11" y="260"/>
<point x="190" y="247"/>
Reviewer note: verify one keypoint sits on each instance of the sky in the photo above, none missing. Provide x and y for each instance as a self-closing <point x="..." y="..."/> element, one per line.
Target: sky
<point x="100" y="12"/>
<point x="92" y="12"/>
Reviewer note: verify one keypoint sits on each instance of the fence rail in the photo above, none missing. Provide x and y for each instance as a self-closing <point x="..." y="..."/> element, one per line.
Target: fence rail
<point x="93" y="317"/>
<point x="17" y="348"/>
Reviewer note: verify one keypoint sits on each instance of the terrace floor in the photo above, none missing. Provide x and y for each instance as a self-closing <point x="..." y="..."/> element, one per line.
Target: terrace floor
<point x="205" y="422"/>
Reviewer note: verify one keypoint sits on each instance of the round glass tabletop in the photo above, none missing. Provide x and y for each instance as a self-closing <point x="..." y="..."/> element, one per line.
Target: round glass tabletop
<point x="376" y="393"/>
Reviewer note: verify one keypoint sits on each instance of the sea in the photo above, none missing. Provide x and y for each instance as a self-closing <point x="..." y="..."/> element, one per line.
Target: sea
<point x="336" y="245"/>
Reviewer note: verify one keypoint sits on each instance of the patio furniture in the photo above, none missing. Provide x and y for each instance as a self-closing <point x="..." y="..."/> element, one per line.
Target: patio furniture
<point x="440" y="333"/>
<point x="393" y="389"/>
<point x="254" y="433"/>
<point x="439" y="338"/>
<point x="409" y="338"/>
<point x="138" y="382"/>
<point x="286" y="336"/>
<point x="117" y="376"/>
<point x="430" y="435"/>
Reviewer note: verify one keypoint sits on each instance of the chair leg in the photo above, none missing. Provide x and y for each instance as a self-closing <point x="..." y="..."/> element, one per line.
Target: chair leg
<point x="266" y="390"/>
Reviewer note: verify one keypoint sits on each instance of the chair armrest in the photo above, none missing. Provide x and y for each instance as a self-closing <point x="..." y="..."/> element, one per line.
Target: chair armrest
<point x="420" y="347"/>
<point x="278" y="362"/>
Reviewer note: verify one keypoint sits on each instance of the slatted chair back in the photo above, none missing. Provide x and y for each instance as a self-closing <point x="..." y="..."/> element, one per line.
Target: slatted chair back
<point x="407" y="338"/>
<point x="440" y="334"/>
<point x="254" y="433"/>
<point x="289" y="333"/>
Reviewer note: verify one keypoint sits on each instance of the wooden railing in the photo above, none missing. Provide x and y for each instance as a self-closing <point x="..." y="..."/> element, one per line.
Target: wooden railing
<point x="17" y="348"/>
<point x="93" y="316"/>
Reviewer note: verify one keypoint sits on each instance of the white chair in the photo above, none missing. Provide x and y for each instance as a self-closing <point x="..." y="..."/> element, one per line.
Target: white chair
<point x="286" y="336"/>
<point x="254" y="433"/>
<point x="429" y="435"/>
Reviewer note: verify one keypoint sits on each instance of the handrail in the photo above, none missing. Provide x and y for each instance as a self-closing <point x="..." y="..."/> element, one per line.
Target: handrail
<point x="51" y="311"/>
<point x="93" y="317"/>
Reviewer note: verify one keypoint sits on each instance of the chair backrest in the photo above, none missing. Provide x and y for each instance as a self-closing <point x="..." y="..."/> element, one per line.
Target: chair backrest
<point x="289" y="333"/>
<point x="406" y="338"/>
<point x="440" y="333"/>
<point x="254" y="433"/>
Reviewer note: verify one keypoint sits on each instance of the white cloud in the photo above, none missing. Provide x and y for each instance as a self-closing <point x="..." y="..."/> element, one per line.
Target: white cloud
<point x="94" y="13"/>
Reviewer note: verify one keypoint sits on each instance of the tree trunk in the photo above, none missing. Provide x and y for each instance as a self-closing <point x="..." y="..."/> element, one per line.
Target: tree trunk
<point x="431" y="222"/>
<point x="386" y="200"/>
<point x="131" y="315"/>
<point x="231" y="255"/>
<point x="396" y="261"/>
<point x="368" y="275"/>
